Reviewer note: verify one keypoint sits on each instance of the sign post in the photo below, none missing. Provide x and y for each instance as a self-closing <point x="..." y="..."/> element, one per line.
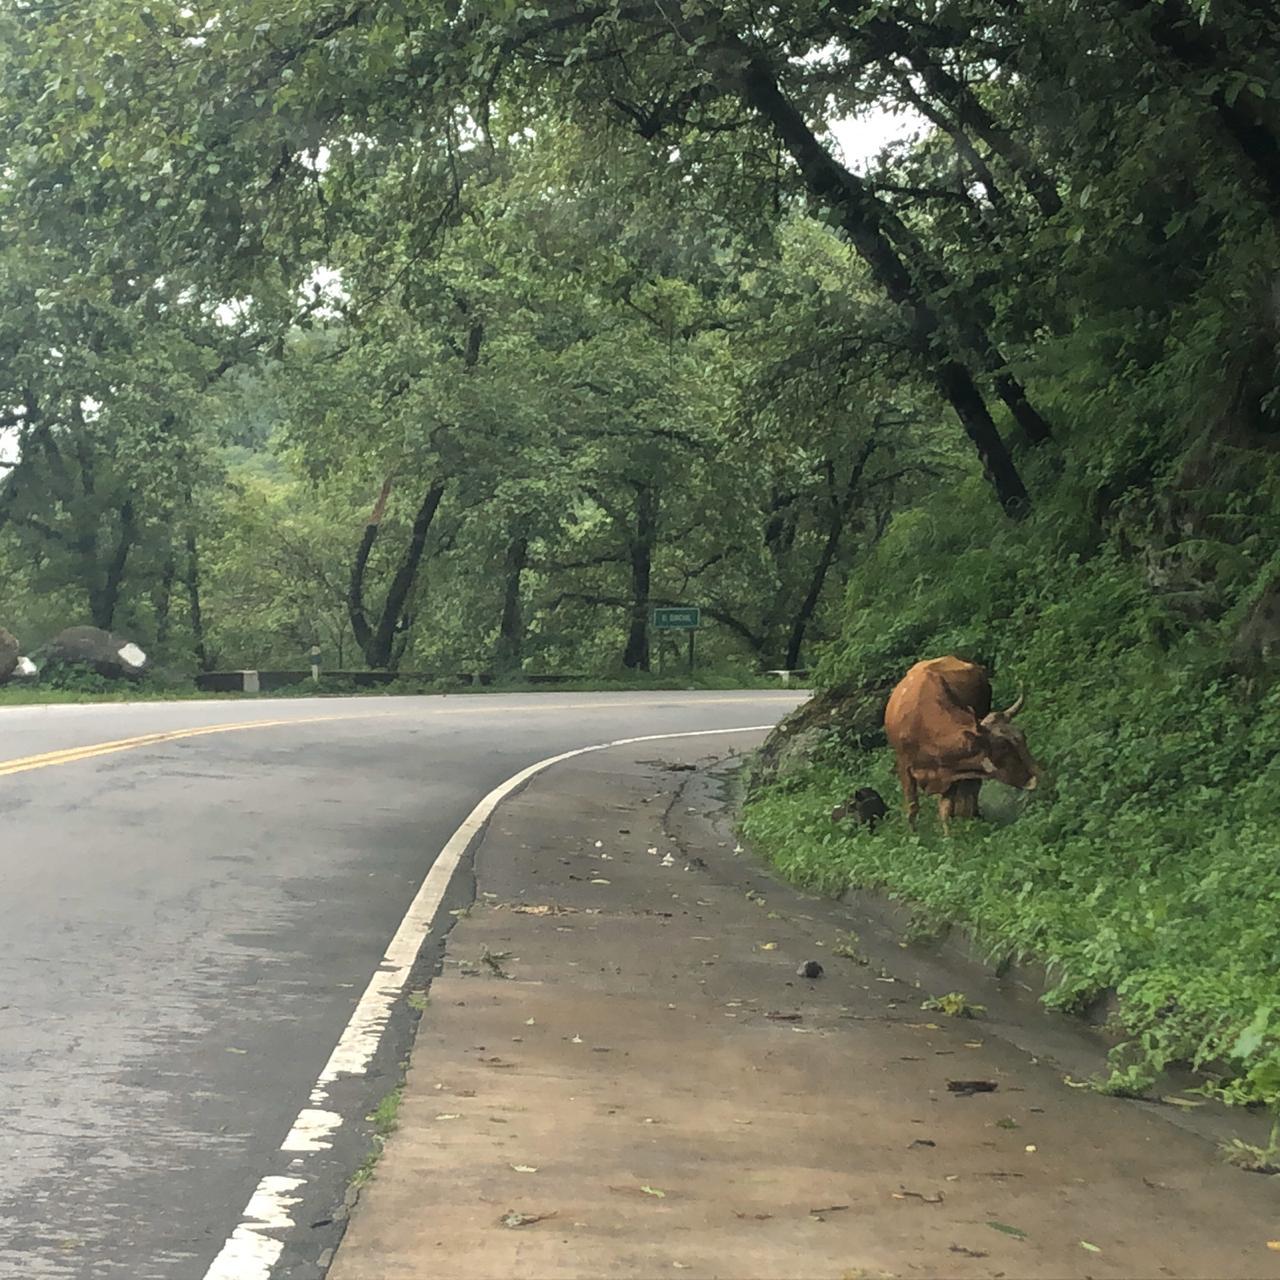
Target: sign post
<point x="683" y="618"/>
<point x="315" y="663"/>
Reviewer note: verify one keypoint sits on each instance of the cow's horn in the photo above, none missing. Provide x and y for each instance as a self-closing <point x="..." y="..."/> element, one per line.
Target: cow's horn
<point x="1018" y="703"/>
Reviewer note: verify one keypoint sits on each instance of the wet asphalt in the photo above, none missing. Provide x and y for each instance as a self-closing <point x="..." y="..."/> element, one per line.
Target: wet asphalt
<point x="186" y="926"/>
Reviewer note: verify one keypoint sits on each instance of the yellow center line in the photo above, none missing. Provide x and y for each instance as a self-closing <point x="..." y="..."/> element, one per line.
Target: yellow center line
<point x="71" y="755"/>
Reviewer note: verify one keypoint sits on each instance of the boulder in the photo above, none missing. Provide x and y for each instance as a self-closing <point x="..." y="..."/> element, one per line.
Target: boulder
<point x="835" y="725"/>
<point x="9" y="654"/>
<point x="109" y="655"/>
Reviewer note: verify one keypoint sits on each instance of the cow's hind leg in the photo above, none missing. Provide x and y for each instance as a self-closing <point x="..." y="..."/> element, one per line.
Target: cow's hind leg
<point x="910" y="793"/>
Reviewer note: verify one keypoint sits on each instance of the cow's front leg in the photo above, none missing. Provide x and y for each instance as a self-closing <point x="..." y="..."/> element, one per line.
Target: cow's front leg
<point x="965" y="795"/>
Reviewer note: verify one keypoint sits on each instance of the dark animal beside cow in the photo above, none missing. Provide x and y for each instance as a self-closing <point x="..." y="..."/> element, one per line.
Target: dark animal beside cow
<point x="948" y="741"/>
<point x="866" y="806"/>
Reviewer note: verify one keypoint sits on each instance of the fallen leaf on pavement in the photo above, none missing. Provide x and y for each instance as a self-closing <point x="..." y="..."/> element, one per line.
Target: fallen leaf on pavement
<point x="1092" y="1248"/>
<point x="525" y="1168"/>
<point x="1008" y="1122"/>
<point x="967" y="1088"/>
<point x="597" y="880"/>
<point x="449" y="1115"/>
<point x="1274" y="1245"/>
<point x="1016" y="1232"/>
<point x="513" y="1219"/>
<point x="768" y="946"/>
<point x="654" y="1191"/>
<point x="1030" y="1148"/>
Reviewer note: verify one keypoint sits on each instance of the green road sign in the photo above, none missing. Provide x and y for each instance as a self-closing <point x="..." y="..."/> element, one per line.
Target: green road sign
<point x="682" y="619"/>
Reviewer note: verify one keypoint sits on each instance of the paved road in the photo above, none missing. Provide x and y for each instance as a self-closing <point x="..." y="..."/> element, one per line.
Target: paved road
<point x="186" y="926"/>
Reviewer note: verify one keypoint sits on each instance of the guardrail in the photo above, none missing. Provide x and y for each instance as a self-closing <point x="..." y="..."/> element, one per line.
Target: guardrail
<point x="270" y="681"/>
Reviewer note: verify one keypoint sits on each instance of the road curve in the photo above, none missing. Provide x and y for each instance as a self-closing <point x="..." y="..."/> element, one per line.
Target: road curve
<point x="189" y="913"/>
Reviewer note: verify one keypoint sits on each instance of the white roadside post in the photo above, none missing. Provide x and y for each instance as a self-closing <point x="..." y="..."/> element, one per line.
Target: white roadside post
<point x="315" y="664"/>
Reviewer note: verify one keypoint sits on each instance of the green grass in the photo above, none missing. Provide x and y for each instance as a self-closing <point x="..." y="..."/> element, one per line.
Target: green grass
<point x="1150" y="864"/>
<point x="385" y="1119"/>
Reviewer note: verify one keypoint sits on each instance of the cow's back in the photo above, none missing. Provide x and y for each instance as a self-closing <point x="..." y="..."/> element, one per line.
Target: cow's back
<point x="934" y="699"/>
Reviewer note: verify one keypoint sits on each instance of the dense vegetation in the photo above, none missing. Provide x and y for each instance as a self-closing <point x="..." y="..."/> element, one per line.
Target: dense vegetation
<point x="458" y="336"/>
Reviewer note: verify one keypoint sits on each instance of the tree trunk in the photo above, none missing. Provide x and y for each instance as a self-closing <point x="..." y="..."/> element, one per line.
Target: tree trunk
<point x="377" y="640"/>
<point x="839" y="507"/>
<point x="969" y="331"/>
<point x="969" y="113"/>
<point x="636" y="655"/>
<point x="394" y="615"/>
<point x="863" y="221"/>
<point x="511" y="630"/>
<point x="356" y="611"/>
<point x="968" y="152"/>
<point x="164" y="598"/>
<point x="957" y="386"/>
<point x="192" y="582"/>
<point x="104" y="598"/>
<point x="809" y="605"/>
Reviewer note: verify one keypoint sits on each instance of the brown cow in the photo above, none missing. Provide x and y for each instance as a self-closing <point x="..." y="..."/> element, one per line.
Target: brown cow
<point x="947" y="739"/>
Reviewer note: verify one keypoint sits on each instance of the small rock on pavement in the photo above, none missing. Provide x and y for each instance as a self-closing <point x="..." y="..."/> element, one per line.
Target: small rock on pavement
<point x="810" y="969"/>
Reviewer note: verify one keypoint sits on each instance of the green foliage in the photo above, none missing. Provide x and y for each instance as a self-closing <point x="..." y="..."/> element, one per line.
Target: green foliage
<point x="955" y="1004"/>
<point x="1148" y="865"/>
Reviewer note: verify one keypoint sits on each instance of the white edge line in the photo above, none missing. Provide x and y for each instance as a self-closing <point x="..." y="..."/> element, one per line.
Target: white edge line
<point x="250" y="1253"/>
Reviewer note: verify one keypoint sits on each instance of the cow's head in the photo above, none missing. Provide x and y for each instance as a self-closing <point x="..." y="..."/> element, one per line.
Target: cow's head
<point x="1006" y="757"/>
